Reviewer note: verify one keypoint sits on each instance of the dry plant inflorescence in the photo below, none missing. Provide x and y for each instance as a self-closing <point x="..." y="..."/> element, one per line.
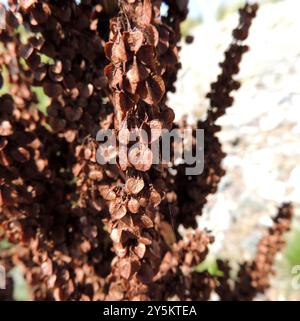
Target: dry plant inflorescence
<point x="85" y="231"/>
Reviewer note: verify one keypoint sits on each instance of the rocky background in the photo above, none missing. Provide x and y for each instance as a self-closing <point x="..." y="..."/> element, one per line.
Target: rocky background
<point x="261" y="132"/>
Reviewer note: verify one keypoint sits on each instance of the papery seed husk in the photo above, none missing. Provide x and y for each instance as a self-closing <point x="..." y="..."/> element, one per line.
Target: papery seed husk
<point x="134" y="185"/>
<point x="141" y="157"/>
<point x="133" y="205"/>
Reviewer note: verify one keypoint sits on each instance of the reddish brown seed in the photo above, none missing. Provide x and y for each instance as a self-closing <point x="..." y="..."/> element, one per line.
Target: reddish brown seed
<point x="116" y="235"/>
<point x="107" y="192"/>
<point x="140" y="250"/>
<point x="117" y="210"/>
<point x="21" y="154"/>
<point x="134" y="185"/>
<point x="133" y="205"/>
<point x="5" y="128"/>
<point x="126" y="268"/>
<point x="134" y="40"/>
<point x="141" y="157"/>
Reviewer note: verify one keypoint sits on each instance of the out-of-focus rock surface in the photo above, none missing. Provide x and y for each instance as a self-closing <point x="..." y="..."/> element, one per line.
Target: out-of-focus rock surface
<point x="261" y="132"/>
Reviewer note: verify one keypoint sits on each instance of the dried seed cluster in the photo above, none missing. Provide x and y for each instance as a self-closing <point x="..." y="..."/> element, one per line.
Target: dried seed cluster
<point x="220" y="94"/>
<point x="254" y="277"/>
<point x="85" y="231"/>
<point x="176" y="270"/>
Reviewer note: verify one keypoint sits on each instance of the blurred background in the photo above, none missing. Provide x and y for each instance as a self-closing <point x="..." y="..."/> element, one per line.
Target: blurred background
<point x="261" y="132"/>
